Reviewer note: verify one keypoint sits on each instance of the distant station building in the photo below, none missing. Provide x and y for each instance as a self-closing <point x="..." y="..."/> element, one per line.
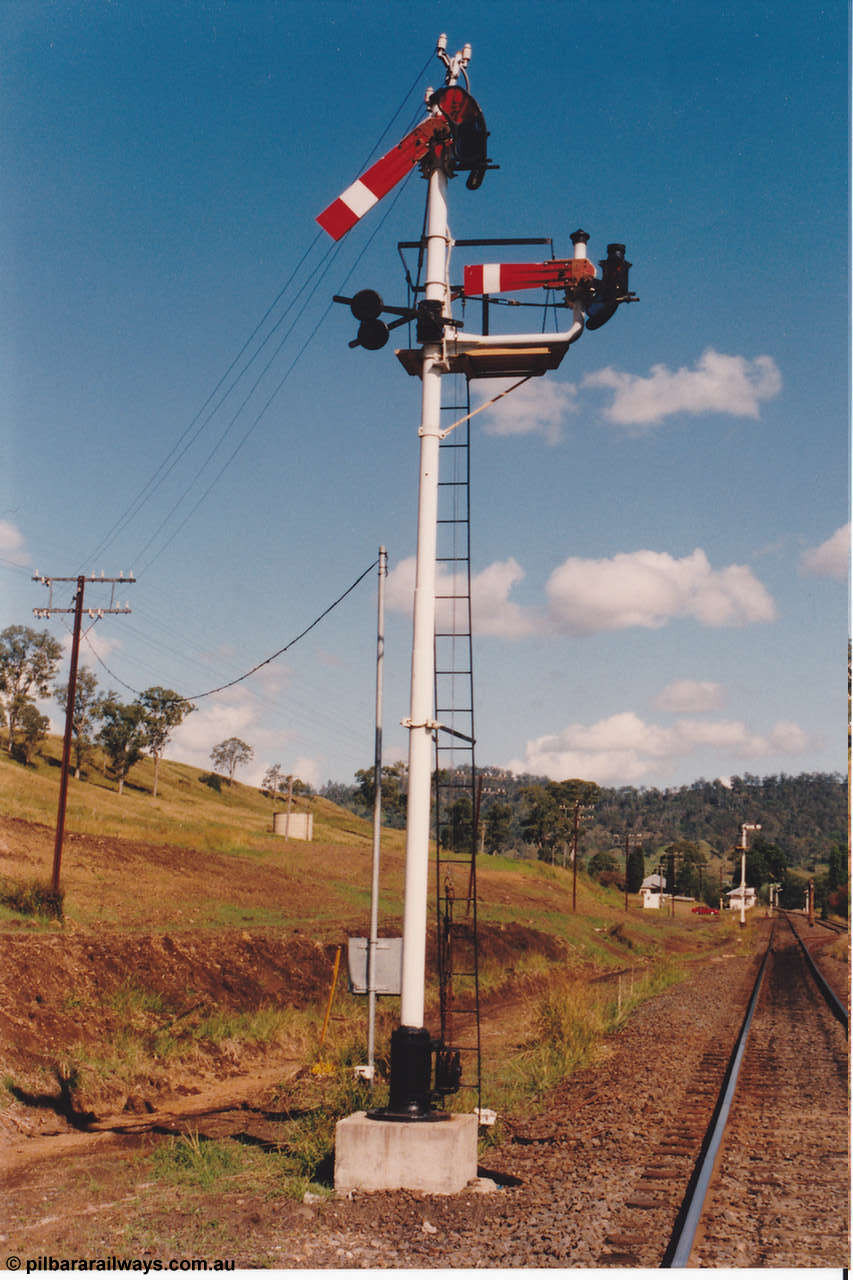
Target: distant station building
<point x="652" y="891"/>
<point x="734" y="897"/>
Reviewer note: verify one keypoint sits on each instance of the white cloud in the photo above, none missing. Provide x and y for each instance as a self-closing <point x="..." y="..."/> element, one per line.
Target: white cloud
<point x="651" y="588"/>
<point x="623" y="748"/>
<point x="93" y="641"/>
<point x="494" y="614"/>
<point x="232" y="714"/>
<point x="538" y="407"/>
<point x="831" y="558"/>
<point x="12" y="546"/>
<point x="308" y="769"/>
<point x="716" y="384"/>
<point x="690" y="695"/>
<point x="631" y="589"/>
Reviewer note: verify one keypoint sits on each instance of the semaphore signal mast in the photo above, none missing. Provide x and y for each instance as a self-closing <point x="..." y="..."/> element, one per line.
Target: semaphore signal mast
<point x="452" y="139"/>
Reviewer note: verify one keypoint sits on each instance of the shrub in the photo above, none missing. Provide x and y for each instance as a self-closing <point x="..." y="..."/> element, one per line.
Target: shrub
<point x="33" y="898"/>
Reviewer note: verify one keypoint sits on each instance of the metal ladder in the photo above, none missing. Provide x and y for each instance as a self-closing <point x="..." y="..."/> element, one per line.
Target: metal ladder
<point x="456" y="797"/>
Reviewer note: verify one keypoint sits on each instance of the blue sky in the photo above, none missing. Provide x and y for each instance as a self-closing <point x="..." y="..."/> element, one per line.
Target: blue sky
<point x="659" y="528"/>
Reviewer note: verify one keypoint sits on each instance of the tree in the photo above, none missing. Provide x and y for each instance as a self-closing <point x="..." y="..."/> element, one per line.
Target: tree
<point x="86" y="713"/>
<point x="764" y="861"/>
<point x="123" y="735"/>
<point x="272" y="781"/>
<point x="457" y="830"/>
<point x="163" y="711"/>
<point x="394" y="791"/>
<point x="542" y="825"/>
<point x="28" y="662"/>
<point x="686" y="862"/>
<point x="32" y="729"/>
<point x="553" y="813"/>
<point x="602" y="865"/>
<point x="497" y="827"/>
<point x="836" y="874"/>
<point x="636" y="869"/>
<point x="230" y="753"/>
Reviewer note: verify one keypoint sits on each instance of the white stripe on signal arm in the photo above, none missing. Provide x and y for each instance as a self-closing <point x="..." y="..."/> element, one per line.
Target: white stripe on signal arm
<point x="359" y="198"/>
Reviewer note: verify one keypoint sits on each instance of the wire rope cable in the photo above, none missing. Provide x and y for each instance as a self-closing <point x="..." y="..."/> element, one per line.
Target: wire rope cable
<point x="170" y="462"/>
<point x="258" y="665"/>
<point x="271" y="398"/>
<point x="182" y="445"/>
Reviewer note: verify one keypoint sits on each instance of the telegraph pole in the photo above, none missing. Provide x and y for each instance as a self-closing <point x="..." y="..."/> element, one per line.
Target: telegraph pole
<point x="629" y="836"/>
<point x="94" y="614"/>
<point x="579" y="807"/>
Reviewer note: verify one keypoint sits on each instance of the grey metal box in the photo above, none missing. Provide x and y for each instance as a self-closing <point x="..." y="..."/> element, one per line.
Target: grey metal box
<point x="389" y="966"/>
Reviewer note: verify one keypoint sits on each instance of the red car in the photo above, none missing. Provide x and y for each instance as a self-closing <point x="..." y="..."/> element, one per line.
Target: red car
<point x="702" y="910"/>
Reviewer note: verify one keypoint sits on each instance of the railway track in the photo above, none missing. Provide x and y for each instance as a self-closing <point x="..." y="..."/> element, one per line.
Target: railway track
<point x="778" y="1190"/>
<point x="764" y="1133"/>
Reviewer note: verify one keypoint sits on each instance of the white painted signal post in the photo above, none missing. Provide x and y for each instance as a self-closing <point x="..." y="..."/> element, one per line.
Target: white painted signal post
<point x="452" y="139"/>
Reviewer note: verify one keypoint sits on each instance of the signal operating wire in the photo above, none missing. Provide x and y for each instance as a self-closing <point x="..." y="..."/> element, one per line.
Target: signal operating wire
<point x="257" y="667"/>
<point x="287" y="702"/>
<point x="329" y="256"/>
<point x="177" y="452"/>
<point x="166" y="466"/>
<point x="263" y="410"/>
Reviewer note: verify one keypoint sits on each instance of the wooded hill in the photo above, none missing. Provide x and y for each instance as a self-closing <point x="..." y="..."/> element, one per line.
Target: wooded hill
<point x="805" y="815"/>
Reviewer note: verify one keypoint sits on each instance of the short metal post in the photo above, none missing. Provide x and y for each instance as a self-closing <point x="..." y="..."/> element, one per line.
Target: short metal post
<point x="377" y="822"/>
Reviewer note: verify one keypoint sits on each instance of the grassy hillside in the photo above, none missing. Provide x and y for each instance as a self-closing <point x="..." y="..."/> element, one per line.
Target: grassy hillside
<point x="193" y="808"/>
<point x="202" y="855"/>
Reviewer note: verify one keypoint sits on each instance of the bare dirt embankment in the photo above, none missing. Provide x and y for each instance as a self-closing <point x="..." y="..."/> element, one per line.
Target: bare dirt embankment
<point x="104" y="1022"/>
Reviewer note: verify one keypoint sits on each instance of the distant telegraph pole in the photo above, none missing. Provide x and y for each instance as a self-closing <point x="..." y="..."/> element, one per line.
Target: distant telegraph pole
<point x="94" y="614"/>
<point x="629" y="836"/>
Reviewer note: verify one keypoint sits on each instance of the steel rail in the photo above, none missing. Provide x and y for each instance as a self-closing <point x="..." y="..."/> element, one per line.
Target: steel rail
<point x="831" y="925"/>
<point x="825" y="989"/>
<point x="687" y="1222"/>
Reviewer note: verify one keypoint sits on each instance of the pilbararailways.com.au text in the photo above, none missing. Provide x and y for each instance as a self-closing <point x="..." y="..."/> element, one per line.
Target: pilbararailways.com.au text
<point x="49" y="1263"/>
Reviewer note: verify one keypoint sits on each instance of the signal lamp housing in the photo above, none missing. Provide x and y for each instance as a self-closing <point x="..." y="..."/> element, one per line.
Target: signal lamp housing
<point x="611" y="289"/>
<point x="366" y="305"/>
<point x="372" y="333"/>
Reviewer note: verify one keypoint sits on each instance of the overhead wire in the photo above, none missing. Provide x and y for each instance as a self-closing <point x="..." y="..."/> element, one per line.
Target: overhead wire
<point x="195" y="697"/>
<point x="272" y="397"/>
<point x="166" y="466"/>
<point x="183" y="444"/>
<point x="177" y="452"/>
<point x="300" y="700"/>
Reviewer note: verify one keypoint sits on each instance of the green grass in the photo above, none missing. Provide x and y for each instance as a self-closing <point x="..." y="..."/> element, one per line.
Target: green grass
<point x="568" y="1029"/>
<point x="187" y="811"/>
<point x="194" y="1161"/>
<point x="32" y="898"/>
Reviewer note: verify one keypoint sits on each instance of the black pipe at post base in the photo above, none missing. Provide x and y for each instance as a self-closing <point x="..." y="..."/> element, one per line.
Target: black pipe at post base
<point x="410" y="1096"/>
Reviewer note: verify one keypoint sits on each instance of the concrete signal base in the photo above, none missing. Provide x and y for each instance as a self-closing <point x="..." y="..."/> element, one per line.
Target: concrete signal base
<point x="399" y="1155"/>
